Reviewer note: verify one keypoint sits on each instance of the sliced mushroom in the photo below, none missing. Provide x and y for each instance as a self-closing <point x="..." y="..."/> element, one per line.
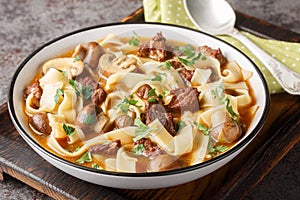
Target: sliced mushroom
<point x="79" y="52"/>
<point x="227" y="132"/>
<point x="40" y="124"/>
<point x="123" y="121"/>
<point x="94" y="52"/>
<point x="109" y="64"/>
<point x="102" y="120"/>
<point x="69" y="65"/>
<point x="165" y="162"/>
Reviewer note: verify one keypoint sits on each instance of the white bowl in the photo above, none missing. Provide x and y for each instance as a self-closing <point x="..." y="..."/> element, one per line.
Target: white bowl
<point x="56" y="47"/>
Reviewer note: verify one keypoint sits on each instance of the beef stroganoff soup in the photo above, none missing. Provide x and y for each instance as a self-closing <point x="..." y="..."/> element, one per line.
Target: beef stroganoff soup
<point x="139" y="104"/>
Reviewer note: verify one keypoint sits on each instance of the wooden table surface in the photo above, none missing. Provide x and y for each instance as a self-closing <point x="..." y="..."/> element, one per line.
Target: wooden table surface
<point x="233" y="181"/>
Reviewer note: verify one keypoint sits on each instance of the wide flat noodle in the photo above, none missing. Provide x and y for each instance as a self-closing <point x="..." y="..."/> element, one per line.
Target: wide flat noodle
<point x="68" y="106"/>
<point x="47" y="102"/>
<point x="125" y="163"/>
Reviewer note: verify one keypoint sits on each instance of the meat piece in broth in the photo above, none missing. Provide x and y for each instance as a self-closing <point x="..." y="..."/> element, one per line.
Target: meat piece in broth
<point x="123" y="121"/>
<point x="184" y="99"/>
<point x="216" y="53"/>
<point x="36" y="90"/>
<point x="156" y="48"/>
<point x="107" y="149"/>
<point x="166" y="162"/>
<point x="157" y="111"/>
<point x="40" y="123"/>
<point x="94" y="52"/>
<point x="151" y="149"/>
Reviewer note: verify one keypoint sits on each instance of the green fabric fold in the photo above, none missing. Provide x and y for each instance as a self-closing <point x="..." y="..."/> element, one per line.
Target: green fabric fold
<point x="173" y="12"/>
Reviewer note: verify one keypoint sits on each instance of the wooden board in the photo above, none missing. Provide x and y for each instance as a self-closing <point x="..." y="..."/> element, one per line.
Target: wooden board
<point x="233" y="181"/>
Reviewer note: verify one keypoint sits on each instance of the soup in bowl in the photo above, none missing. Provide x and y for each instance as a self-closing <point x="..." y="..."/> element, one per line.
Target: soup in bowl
<point x="116" y="104"/>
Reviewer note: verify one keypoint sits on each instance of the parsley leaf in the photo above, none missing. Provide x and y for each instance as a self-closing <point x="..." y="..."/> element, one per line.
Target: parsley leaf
<point x="77" y="58"/>
<point x="68" y="129"/>
<point x="59" y="93"/>
<point x="218" y="93"/>
<point x="217" y="149"/>
<point x="76" y="86"/>
<point x="151" y="100"/>
<point x="185" y="61"/>
<point x="138" y="149"/>
<point x="229" y="108"/>
<point x="180" y="125"/>
<point x="134" y="40"/>
<point x="89" y="119"/>
<point x="141" y="131"/>
<point x="124" y="105"/>
<point x="87" y="92"/>
<point x="151" y="92"/>
<point x="202" y="128"/>
<point x="157" y="77"/>
<point x="63" y="72"/>
<point x="96" y="166"/>
<point x="86" y="157"/>
<point x="167" y="65"/>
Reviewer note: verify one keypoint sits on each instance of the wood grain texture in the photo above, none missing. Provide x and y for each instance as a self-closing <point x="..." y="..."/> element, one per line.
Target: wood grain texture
<point x="280" y="132"/>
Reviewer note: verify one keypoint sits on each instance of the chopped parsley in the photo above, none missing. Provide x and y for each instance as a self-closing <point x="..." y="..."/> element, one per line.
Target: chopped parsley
<point x="214" y="150"/>
<point x="229" y="108"/>
<point x="86" y="157"/>
<point x="141" y="131"/>
<point x="187" y="50"/>
<point x="89" y="119"/>
<point x="180" y="125"/>
<point x="124" y="105"/>
<point x="68" y="129"/>
<point x="77" y="58"/>
<point x="63" y="72"/>
<point x="167" y="65"/>
<point x="151" y="92"/>
<point x="85" y="91"/>
<point x="96" y="166"/>
<point x="76" y="86"/>
<point x="202" y="128"/>
<point x="134" y="40"/>
<point x="218" y="93"/>
<point x="190" y="55"/>
<point x="59" y="93"/>
<point x="157" y="77"/>
<point x="151" y="100"/>
<point x="138" y="149"/>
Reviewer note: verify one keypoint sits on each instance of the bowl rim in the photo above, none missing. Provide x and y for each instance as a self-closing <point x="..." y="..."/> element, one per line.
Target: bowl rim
<point x="47" y="153"/>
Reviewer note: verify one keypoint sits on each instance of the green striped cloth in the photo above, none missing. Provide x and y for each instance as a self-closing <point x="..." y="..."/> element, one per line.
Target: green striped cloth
<point x="172" y="12"/>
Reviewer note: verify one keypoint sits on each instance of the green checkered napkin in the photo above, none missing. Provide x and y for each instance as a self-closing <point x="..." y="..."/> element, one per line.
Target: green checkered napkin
<point x="172" y="12"/>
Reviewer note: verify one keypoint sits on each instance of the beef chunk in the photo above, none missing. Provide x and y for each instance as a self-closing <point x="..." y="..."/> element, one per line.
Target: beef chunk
<point x="87" y="80"/>
<point x="40" y="123"/>
<point x="36" y="90"/>
<point x="184" y="73"/>
<point x="156" y="48"/>
<point x="187" y="74"/>
<point x="176" y="64"/>
<point x="184" y="99"/>
<point x="151" y="149"/>
<point x="109" y="149"/>
<point x="98" y="96"/>
<point x="87" y="116"/>
<point x="216" y="53"/>
<point x="123" y="121"/>
<point x="157" y="111"/>
<point x="143" y="91"/>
